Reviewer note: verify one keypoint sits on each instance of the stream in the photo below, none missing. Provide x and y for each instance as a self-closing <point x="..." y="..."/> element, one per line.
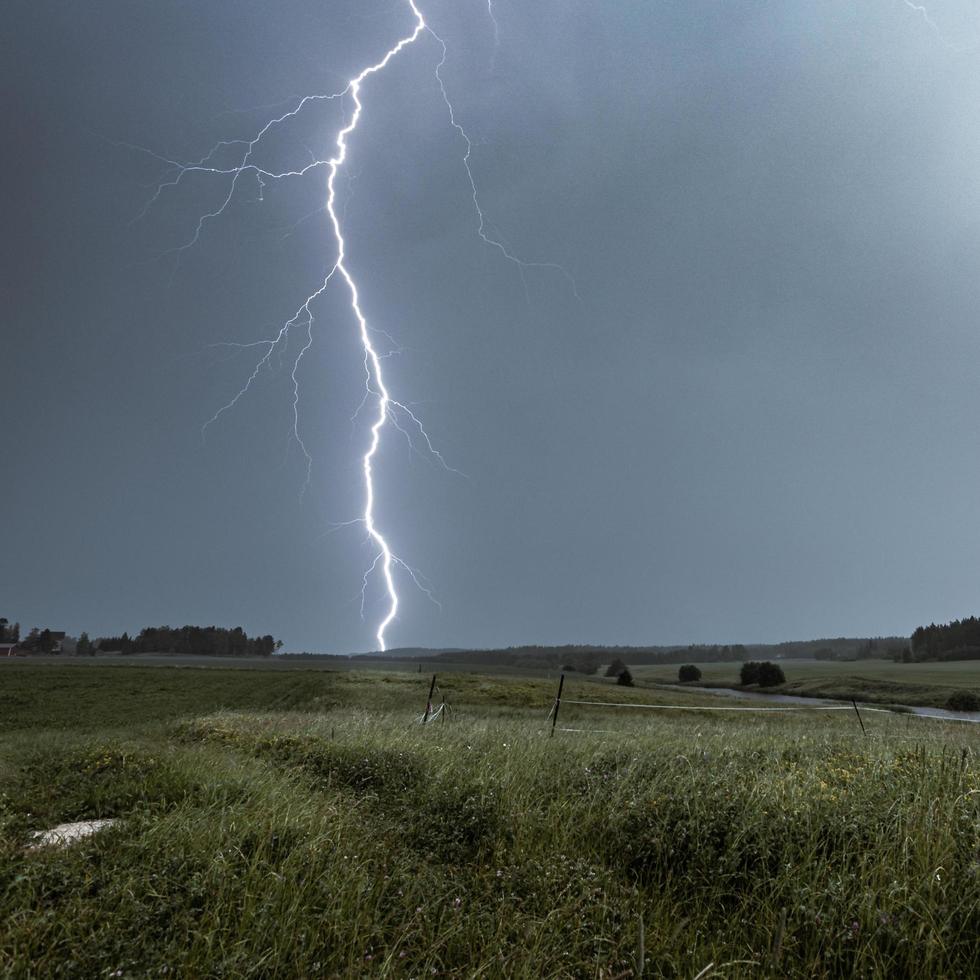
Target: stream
<point x="757" y="696"/>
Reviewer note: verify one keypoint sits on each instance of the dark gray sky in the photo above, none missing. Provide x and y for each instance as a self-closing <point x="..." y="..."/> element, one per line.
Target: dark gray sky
<point x="759" y="423"/>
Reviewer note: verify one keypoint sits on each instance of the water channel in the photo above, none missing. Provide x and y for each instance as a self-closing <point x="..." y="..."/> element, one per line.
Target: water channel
<point x="761" y="696"/>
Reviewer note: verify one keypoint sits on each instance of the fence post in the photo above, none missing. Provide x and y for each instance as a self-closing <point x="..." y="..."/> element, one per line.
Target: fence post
<point x="554" y="717"/>
<point x="858" y="713"/>
<point x="428" y="703"/>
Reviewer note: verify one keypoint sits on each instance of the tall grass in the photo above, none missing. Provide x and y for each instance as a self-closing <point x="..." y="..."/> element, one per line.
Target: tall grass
<point x="344" y="840"/>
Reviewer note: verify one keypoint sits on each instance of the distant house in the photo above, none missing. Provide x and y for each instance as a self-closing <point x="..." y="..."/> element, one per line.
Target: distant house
<point x="8" y="649"/>
<point x="58" y="639"/>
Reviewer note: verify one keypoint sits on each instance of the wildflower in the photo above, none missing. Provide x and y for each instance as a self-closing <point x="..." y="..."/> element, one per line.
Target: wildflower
<point x="457" y="902"/>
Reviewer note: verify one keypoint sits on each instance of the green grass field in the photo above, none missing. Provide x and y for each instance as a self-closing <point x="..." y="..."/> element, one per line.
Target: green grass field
<point x="879" y="681"/>
<point x="302" y="824"/>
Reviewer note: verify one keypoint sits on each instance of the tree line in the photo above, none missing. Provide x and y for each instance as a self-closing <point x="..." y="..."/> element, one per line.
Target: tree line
<point x="587" y="658"/>
<point x="958" y="640"/>
<point x="205" y="641"/>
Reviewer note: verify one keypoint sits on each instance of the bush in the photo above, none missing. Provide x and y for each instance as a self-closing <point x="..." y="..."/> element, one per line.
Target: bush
<point x="764" y="674"/>
<point x="688" y="673"/>
<point x="770" y="674"/>
<point x="963" y="701"/>
<point x="615" y="668"/>
<point x="625" y="678"/>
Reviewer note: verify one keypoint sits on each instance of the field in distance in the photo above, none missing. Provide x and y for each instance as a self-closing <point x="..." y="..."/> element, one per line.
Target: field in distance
<point x="303" y="823"/>
<point x="878" y="681"/>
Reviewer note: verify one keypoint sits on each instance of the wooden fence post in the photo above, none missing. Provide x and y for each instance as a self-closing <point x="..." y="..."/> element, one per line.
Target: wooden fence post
<point x="554" y="717"/>
<point x="858" y="713"/>
<point x="428" y="703"/>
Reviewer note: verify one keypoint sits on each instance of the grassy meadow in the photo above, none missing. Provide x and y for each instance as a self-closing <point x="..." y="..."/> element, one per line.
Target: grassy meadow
<point x="878" y="681"/>
<point x="303" y="824"/>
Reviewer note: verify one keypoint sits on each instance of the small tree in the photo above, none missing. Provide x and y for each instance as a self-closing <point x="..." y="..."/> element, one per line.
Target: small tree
<point x="770" y="674"/>
<point x="39" y="641"/>
<point x="749" y="674"/>
<point x="625" y="678"/>
<point x="688" y="672"/>
<point x="615" y="668"/>
<point x="84" y="648"/>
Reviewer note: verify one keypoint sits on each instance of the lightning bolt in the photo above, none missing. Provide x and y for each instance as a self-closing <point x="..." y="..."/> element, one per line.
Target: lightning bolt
<point x="385" y="408"/>
<point x="372" y="362"/>
<point x="496" y="35"/>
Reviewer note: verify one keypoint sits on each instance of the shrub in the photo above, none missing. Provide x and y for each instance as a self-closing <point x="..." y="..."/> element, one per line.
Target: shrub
<point x="688" y="672"/>
<point x="615" y="668"/>
<point x="770" y="674"/>
<point x="963" y="701"/>
<point x="625" y="678"/>
<point x="765" y="674"/>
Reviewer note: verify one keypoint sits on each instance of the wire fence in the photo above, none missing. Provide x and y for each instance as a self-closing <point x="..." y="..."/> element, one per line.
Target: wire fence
<point x="444" y="710"/>
<point x="858" y="710"/>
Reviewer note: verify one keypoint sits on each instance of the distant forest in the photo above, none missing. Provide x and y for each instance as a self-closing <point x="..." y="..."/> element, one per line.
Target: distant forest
<point x="209" y="641"/>
<point x="958" y="640"/>
<point x="588" y="659"/>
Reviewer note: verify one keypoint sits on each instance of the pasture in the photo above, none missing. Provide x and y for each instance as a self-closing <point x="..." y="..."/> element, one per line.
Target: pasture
<point x="880" y="681"/>
<point x="302" y="823"/>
